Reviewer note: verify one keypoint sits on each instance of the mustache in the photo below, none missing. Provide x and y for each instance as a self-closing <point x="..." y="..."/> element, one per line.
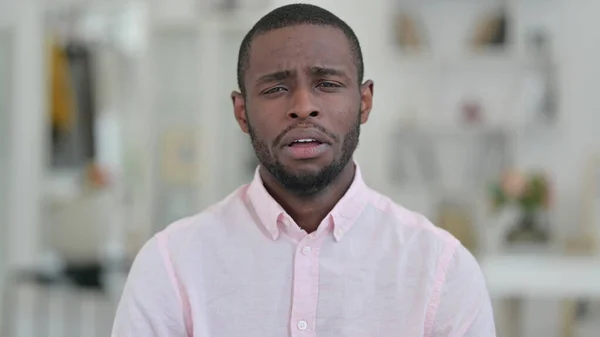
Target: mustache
<point x="303" y="125"/>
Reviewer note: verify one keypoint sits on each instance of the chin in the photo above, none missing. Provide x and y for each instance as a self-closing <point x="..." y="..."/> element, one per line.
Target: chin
<point x="306" y="167"/>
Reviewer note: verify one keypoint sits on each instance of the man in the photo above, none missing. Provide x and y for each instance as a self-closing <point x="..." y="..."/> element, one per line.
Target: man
<point x="306" y="249"/>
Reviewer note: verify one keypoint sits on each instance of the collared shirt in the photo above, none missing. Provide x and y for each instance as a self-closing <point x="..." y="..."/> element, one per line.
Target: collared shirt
<point x="244" y="268"/>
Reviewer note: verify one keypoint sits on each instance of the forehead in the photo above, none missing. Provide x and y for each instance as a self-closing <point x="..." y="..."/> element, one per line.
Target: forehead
<point x="301" y="46"/>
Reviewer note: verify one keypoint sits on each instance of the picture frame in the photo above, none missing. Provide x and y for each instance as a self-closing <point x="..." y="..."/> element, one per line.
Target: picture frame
<point x="408" y="30"/>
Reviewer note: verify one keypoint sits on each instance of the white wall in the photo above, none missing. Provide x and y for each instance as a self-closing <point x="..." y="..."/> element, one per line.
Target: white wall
<point x="7" y="8"/>
<point x="4" y="121"/>
<point x="26" y="133"/>
<point x="26" y="164"/>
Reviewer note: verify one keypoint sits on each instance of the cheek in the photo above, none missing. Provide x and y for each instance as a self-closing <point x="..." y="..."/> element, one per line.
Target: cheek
<point x="262" y="127"/>
<point x="344" y="120"/>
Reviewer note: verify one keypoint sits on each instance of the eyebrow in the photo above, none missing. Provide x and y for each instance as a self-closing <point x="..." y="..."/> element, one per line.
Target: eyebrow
<point x="321" y="71"/>
<point x="276" y="76"/>
<point x="314" y="71"/>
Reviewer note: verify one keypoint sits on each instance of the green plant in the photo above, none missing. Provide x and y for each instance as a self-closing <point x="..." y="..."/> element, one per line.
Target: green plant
<point x="530" y="192"/>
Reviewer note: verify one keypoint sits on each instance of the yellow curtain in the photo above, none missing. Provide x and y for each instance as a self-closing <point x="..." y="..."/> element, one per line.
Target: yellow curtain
<point x="62" y="105"/>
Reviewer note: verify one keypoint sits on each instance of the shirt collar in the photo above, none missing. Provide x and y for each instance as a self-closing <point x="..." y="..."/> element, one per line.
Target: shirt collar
<point x="345" y="213"/>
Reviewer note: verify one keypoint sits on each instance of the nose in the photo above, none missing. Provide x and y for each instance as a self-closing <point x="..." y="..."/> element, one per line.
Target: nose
<point x="304" y="105"/>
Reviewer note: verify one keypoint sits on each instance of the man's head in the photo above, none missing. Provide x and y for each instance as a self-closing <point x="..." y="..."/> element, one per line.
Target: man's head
<point x="301" y="97"/>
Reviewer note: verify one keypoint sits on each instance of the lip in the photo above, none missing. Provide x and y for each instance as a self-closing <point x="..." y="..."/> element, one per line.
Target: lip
<point x="308" y="151"/>
<point x="298" y="134"/>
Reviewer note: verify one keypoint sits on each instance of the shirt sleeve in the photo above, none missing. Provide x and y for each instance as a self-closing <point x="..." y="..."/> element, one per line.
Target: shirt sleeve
<point x="150" y="305"/>
<point x="464" y="304"/>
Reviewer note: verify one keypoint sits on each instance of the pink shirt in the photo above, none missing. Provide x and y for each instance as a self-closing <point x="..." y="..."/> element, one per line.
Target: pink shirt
<point x="244" y="268"/>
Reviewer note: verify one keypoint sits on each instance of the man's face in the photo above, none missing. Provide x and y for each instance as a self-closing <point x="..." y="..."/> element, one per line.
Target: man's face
<point x="303" y="105"/>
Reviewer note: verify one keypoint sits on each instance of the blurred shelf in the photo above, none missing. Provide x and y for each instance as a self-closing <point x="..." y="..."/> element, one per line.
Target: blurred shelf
<point x="539" y="275"/>
<point x="451" y="131"/>
<point x="510" y="4"/>
<point x="409" y="129"/>
<point x="489" y="60"/>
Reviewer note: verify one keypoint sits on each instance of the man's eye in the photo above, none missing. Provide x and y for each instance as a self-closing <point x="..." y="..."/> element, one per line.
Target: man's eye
<point x="329" y="85"/>
<point x="273" y="90"/>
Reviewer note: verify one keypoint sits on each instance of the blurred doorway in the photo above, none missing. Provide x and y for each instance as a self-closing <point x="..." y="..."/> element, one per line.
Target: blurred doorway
<point x="5" y="79"/>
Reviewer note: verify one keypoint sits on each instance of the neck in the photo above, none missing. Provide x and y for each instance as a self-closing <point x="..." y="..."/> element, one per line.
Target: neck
<point x="309" y="212"/>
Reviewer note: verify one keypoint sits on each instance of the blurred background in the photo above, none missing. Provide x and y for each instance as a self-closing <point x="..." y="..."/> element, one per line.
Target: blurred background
<point x="115" y="120"/>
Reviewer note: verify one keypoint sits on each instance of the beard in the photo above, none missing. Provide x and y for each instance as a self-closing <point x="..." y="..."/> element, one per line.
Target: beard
<point x="310" y="183"/>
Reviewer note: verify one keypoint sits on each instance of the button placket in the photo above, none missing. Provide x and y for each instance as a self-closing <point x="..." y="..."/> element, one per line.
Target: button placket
<point x="306" y="283"/>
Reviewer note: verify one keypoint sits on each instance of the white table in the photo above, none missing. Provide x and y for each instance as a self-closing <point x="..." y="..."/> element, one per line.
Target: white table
<point x="524" y="276"/>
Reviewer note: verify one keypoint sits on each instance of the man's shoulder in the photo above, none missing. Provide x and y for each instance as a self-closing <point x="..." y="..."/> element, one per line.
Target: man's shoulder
<point x="422" y="237"/>
<point x="411" y="222"/>
<point x="211" y="218"/>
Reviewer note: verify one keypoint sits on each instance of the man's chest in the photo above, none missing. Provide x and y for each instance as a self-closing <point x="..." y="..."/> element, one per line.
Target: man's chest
<point x="310" y="292"/>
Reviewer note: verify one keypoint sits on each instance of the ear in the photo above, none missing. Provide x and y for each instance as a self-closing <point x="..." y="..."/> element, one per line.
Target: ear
<point x="366" y="101"/>
<point x="239" y="110"/>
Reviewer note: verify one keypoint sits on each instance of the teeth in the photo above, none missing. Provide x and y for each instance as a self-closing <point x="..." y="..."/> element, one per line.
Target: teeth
<point x="304" y="141"/>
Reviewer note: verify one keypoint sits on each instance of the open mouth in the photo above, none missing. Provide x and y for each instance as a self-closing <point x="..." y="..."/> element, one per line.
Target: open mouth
<point x="306" y="148"/>
<point x="307" y="142"/>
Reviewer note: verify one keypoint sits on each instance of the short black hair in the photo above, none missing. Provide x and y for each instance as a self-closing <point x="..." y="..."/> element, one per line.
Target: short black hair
<point x="293" y="15"/>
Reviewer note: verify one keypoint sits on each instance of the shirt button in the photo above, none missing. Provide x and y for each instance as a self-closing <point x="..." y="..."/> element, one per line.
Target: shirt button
<point x="306" y="250"/>
<point x="302" y="325"/>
